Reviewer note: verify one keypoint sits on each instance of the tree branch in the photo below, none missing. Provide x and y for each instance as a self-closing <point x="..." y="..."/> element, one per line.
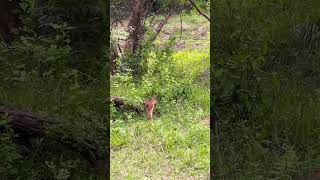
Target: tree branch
<point x="198" y="9"/>
<point x="160" y="26"/>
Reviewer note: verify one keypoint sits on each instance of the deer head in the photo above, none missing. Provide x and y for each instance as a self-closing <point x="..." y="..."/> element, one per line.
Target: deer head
<point x="150" y="106"/>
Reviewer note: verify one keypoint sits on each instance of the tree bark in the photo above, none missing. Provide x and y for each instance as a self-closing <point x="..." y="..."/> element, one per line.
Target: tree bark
<point x="135" y="26"/>
<point x="198" y="9"/>
<point x="160" y="26"/>
<point x="9" y="19"/>
<point x="28" y="126"/>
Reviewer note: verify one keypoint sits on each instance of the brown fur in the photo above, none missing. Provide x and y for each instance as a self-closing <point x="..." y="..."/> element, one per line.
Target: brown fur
<point x="150" y="106"/>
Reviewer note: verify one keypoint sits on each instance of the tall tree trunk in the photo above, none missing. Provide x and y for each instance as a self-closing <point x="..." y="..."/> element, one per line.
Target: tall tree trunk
<point x="135" y="26"/>
<point x="9" y="19"/>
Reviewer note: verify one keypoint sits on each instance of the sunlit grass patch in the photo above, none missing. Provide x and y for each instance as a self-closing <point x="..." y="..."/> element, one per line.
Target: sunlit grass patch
<point x="167" y="146"/>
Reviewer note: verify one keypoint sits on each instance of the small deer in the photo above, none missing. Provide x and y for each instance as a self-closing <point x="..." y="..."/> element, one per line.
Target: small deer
<point x="150" y="106"/>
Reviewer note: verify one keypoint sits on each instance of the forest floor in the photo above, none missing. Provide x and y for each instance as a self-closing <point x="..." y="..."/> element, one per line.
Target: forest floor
<point x="175" y="144"/>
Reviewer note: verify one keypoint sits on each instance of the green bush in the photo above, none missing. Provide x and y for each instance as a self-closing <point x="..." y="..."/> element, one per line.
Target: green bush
<point x="10" y="157"/>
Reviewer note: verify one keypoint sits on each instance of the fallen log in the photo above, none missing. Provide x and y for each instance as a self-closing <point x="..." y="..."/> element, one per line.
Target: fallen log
<point x="122" y="104"/>
<point x="29" y="126"/>
<point x="26" y="125"/>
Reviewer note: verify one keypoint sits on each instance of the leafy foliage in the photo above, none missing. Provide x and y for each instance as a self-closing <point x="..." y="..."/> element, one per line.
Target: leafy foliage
<point x="265" y="80"/>
<point x="8" y="152"/>
<point x="56" y="67"/>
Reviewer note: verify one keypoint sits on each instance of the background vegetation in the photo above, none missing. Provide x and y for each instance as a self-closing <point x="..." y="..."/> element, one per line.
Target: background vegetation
<point x="266" y="89"/>
<point x="55" y="65"/>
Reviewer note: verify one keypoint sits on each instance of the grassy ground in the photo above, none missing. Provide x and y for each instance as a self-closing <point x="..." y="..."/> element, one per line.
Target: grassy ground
<point x="175" y="144"/>
<point x="195" y="32"/>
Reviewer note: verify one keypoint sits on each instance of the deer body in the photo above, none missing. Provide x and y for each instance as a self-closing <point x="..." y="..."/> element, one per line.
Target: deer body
<point x="150" y="106"/>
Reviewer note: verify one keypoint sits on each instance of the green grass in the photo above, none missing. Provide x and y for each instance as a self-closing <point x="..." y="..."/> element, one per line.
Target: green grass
<point x="279" y="141"/>
<point x="176" y="144"/>
<point x="277" y="135"/>
<point x="173" y="145"/>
